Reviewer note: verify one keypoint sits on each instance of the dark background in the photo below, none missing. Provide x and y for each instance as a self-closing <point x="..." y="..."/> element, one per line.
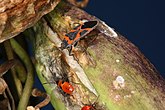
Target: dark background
<point x="141" y="21"/>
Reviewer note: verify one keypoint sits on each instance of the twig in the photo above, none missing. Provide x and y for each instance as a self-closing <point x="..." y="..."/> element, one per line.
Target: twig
<point x="30" y="78"/>
<point x="21" y="72"/>
<point x="12" y="99"/>
<point x="6" y="66"/>
<point x="10" y="55"/>
<point x="38" y="93"/>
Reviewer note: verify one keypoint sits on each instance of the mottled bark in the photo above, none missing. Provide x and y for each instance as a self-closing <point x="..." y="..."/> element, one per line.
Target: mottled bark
<point x="104" y="65"/>
<point x="18" y="15"/>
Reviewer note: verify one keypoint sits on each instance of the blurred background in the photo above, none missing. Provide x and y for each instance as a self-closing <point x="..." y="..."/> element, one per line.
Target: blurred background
<point x="140" y="21"/>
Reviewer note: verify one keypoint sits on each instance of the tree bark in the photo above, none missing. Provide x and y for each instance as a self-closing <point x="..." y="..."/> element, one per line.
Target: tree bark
<point x="104" y="65"/>
<point x="18" y="15"/>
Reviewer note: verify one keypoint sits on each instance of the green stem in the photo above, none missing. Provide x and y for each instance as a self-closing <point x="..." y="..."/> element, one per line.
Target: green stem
<point x="21" y="72"/>
<point x="10" y="56"/>
<point x="56" y="102"/>
<point x="30" y="78"/>
<point x="41" y="43"/>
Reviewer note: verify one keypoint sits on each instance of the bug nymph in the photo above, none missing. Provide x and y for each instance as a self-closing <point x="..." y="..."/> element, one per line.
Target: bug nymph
<point x="79" y="32"/>
<point x="65" y="86"/>
<point x="93" y="106"/>
<point x="89" y="107"/>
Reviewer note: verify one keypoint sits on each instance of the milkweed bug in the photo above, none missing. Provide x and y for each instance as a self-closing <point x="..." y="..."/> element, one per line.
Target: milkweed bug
<point x="63" y="83"/>
<point x="65" y="86"/>
<point x="79" y="32"/>
<point x="88" y="107"/>
<point x="93" y="106"/>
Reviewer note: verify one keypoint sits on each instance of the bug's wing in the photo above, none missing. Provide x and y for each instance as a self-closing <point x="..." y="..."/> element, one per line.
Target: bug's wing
<point x="89" y="24"/>
<point x="72" y="35"/>
<point x="87" y="27"/>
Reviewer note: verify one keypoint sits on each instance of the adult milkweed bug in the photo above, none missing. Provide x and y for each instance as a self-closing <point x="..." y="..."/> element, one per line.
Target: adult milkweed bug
<point x="80" y="31"/>
<point x="65" y="86"/>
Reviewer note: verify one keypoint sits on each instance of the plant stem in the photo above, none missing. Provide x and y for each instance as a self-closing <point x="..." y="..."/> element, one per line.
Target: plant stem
<point x="21" y="72"/>
<point x="30" y="78"/>
<point x="10" y="56"/>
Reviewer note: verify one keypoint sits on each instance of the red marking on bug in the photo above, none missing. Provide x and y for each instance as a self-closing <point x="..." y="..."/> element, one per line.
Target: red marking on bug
<point x="71" y="38"/>
<point x="92" y="106"/>
<point x="88" y="107"/>
<point x="66" y="87"/>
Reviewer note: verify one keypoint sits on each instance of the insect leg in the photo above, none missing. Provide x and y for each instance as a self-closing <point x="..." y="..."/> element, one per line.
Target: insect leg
<point x="75" y="44"/>
<point x="70" y="50"/>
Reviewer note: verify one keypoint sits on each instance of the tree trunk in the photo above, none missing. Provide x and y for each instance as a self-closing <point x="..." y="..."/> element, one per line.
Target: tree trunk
<point x="104" y="65"/>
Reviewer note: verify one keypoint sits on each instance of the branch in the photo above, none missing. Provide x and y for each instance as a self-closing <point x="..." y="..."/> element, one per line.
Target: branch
<point x="18" y="15"/>
<point x="111" y="68"/>
<point x="30" y="78"/>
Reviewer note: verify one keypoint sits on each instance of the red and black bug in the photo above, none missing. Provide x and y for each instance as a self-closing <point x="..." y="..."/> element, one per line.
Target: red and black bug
<point x="89" y="107"/>
<point x="79" y="32"/>
<point x="63" y="83"/>
<point x="66" y="87"/>
<point x="93" y="106"/>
